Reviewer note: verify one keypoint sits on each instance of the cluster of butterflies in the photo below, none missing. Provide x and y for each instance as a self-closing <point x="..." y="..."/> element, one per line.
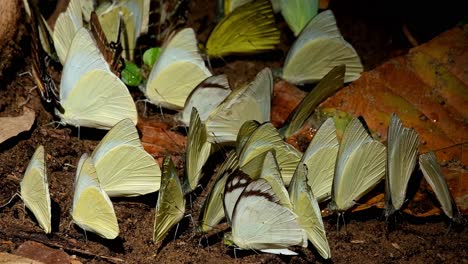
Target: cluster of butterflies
<point x="250" y="188"/>
<point x="92" y="95"/>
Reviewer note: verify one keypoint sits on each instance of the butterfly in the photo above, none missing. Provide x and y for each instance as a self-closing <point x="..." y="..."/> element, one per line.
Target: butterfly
<point x="257" y="219"/>
<point x="90" y="94"/>
<point x="433" y="174"/>
<point x="327" y="86"/>
<point x="66" y="27"/>
<point x="318" y="49"/>
<point x="321" y="156"/>
<point x="170" y="207"/>
<point x="179" y="57"/>
<point x="263" y="139"/>
<point x="402" y="153"/>
<point x="123" y="167"/>
<point x="34" y="190"/>
<point x="213" y="209"/>
<point x="250" y="28"/>
<point x="40" y="60"/>
<point x="205" y="98"/>
<point x="298" y="13"/>
<point x="111" y="51"/>
<point x="308" y="211"/>
<point x="250" y="102"/>
<point x="198" y="150"/>
<point x="271" y="173"/>
<point x="92" y="209"/>
<point x="134" y="15"/>
<point x="359" y="167"/>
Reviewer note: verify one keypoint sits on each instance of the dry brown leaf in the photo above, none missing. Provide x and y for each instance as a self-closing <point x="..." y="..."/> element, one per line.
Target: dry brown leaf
<point x="6" y="258"/>
<point x="159" y="140"/>
<point x="42" y="253"/>
<point x="12" y="126"/>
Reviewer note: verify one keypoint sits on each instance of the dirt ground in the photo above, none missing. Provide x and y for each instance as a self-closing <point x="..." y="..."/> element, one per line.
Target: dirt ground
<point x="365" y="238"/>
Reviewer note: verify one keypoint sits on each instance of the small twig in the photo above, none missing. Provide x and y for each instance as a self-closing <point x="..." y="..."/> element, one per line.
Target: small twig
<point x="72" y="250"/>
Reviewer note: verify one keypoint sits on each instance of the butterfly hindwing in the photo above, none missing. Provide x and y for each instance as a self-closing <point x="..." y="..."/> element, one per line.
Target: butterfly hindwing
<point x="35" y="190"/>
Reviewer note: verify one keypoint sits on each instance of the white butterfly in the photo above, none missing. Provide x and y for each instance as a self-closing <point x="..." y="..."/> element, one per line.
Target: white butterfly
<point x="258" y="221"/>
<point x="318" y="49"/>
<point x="90" y="94"/>
<point x="135" y="15"/>
<point x="35" y="190"/>
<point x="320" y="156"/>
<point x="213" y="209"/>
<point x="298" y="13"/>
<point x="123" y="167"/>
<point x="170" y="207"/>
<point x="360" y="166"/>
<point x="263" y="139"/>
<point x="66" y="26"/>
<point x="250" y="102"/>
<point x="307" y="209"/>
<point x="178" y="70"/>
<point x="205" y="98"/>
<point x="198" y="151"/>
<point x="92" y="209"/>
<point x="433" y="174"/>
<point x="402" y="152"/>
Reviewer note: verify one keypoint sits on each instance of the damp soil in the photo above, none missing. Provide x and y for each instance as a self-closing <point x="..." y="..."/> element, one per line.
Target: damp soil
<point x="365" y="238"/>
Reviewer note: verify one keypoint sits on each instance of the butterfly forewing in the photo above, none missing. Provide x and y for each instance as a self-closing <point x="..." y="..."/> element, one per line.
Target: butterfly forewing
<point x="235" y="184"/>
<point x="260" y="222"/>
<point x="92" y="209"/>
<point x="320" y="156"/>
<point x="308" y="211"/>
<point x="35" y="190"/>
<point x="170" y="207"/>
<point x="402" y="153"/>
<point x="433" y="174"/>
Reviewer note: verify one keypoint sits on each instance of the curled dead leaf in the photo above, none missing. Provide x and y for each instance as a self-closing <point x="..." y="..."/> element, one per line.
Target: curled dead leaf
<point x="12" y="126"/>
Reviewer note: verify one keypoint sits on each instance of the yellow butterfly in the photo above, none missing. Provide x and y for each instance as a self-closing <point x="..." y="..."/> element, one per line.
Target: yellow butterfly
<point x="35" y="190"/>
<point x="92" y="209"/>
<point x="248" y="29"/>
<point x="170" y="207"/>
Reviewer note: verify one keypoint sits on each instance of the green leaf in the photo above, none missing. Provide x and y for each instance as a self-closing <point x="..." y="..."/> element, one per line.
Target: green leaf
<point x="131" y="74"/>
<point x="151" y="56"/>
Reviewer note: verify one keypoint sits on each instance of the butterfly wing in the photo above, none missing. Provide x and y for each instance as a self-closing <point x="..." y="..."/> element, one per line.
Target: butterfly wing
<point x="170" y="207"/>
<point x="205" y="98"/>
<point x="433" y="174"/>
<point x="271" y="173"/>
<point x="66" y="26"/>
<point x="235" y="184"/>
<point x="318" y="49"/>
<point x="308" y="211"/>
<point x="35" y="190"/>
<point x="298" y="13"/>
<point x="402" y="153"/>
<point x="244" y="134"/>
<point x="331" y="83"/>
<point x="198" y="150"/>
<point x="213" y="210"/>
<point x="360" y="166"/>
<point x="263" y="139"/>
<point x="320" y="157"/>
<point x="90" y="94"/>
<point x="92" y="209"/>
<point x="180" y="57"/>
<point x="249" y="28"/>
<point x="260" y="222"/>
<point x="251" y="102"/>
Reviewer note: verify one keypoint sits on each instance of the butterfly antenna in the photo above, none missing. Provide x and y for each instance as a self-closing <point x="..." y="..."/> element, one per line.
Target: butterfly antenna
<point x="11" y="199"/>
<point x="175" y="234"/>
